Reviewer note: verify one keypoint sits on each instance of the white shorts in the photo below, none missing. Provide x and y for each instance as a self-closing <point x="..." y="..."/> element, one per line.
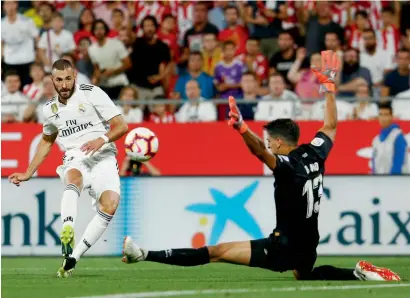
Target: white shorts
<point x="100" y="172"/>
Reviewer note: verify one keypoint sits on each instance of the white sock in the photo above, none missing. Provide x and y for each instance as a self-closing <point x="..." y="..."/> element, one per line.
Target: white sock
<point x="69" y="204"/>
<point x="92" y="233"/>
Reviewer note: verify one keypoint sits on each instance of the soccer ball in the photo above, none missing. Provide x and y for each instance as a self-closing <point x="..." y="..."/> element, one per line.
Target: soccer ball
<point x="141" y="144"/>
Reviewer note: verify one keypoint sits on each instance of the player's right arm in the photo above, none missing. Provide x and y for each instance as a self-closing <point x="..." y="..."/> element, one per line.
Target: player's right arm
<point x="326" y="74"/>
<point x="255" y="144"/>
<point x="43" y="149"/>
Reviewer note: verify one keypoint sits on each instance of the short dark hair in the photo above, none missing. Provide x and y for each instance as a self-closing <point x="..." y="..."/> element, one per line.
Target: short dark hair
<point x="227" y="43"/>
<point x="277" y="74"/>
<point x="388" y="9"/>
<point x="100" y="21"/>
<point x="249" y="73"/>
<point x="11" y="72"/>
<point x="369" y="30"/>
<point x="361" y="13"/>
<point x="232" y="7"/>
<point x="386" y="105"/>
<point x="254" y="38"/>
<point x="117" y="10"/>
<point x="195" y="53"/>
<point x="287" y="32"/>
<point x="167" y="16"/>
<point x="62" y="64"/>
<point x="150" y="18"/>
<point x="57" y="14"/>
<point x="284" y="128"/>
<point x="333" y="32"/>
<point x="403" y="50"/>
<point x="51" y="6"/>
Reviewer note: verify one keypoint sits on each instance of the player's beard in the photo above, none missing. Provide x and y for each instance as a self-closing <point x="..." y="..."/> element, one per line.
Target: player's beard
<point x="70" y="92"/>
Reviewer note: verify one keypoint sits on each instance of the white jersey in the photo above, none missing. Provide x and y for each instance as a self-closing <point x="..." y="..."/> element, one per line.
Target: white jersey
<point x="84" y="118"/>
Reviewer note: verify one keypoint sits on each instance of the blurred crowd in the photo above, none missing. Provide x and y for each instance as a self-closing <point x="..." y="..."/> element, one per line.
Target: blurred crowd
<point x="258" y="51"/>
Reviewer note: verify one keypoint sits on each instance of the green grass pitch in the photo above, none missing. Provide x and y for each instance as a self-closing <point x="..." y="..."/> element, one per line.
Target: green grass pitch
<point x="103" y="277"/>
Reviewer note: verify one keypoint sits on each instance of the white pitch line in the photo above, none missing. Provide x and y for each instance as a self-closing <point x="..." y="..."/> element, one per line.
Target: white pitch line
<point x="238" y="291"/>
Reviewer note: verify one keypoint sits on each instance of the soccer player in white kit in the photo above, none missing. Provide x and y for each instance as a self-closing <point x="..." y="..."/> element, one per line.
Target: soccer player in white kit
<point x="86" y="122"/>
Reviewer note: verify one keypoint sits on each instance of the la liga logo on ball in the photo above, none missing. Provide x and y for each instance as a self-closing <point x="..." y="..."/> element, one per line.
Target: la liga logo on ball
<point x="141" y="144"/>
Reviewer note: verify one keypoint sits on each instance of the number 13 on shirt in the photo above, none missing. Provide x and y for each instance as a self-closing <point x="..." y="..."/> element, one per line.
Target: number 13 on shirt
<point x="311" y="185"/>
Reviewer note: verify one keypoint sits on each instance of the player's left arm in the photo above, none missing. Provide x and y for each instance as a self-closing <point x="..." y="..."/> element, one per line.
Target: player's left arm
<point x="326" y="74"/>
<point x="255" y="144"/>
<point x="110" y="113"/>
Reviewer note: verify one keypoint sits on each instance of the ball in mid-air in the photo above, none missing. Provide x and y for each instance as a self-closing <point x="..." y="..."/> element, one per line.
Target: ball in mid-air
<point x="141" y="144"/>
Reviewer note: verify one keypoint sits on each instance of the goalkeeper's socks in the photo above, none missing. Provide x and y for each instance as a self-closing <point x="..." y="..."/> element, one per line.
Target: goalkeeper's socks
<point x="92" y="233"/>
<point x="328" y="272"/>
<point x="180" y="256"/>
<point x="69" y="204"/>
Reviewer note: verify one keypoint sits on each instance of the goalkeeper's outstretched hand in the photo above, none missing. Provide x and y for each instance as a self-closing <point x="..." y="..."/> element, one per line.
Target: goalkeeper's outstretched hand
<point x="326" y="72"/>
<point x="235" y="117"/>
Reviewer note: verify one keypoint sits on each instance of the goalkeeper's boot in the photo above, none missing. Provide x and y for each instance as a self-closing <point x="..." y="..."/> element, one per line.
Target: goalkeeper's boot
<point x="67" y="240"/>
<point x="67" y="268"/>
<point x="367" y="271"/>
<point x="131" y="252"/>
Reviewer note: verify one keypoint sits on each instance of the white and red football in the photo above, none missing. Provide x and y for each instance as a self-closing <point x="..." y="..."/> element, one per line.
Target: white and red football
<point x="141" y="144"/>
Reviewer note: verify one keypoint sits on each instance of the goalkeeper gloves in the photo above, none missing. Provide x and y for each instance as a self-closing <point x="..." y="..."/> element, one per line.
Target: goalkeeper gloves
<point x="236" y="120"/>
<point x="326" y="73"/>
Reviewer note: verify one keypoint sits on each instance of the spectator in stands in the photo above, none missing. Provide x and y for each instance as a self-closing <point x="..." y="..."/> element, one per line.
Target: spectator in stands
<point x="55" y="42"/>
<point x="375" y="59"/>
<point x="34" y="91"/>
<point x="306" y="84"/>
<point x="14" y="102"/>
<point x="398" y="80"/>
<point x="405" y="39"/>
<point x="211" y="53"/>
<point x="80" y="78"/>
<point x="117" y="20"/>
<point x="282" y="61"/>
<point x="35" y="109"/>
<point x="105" y="10"/>
<point x="280" y="103"/>
<point x="71" y="13"/>
<point x="33" y="13"/>
<point x="249" y="86"/>
<point x="194" y="72"/>
<point x="159" y="113"/>
<point x="84" y="64"/>
<point x="234" y="32"/>
<point x="46" y="11"/>
<point x="228" y="72"/>
<point x="151" y="8"/>
<point x="333" y="43"/>
<point x="85" y="25"/>
<point x="317" y="27"/>
<point x="352" y="74"/>
<point x="110" y="60"/>
<point x="193" y="39"/>
<point x="390" y="146"/>
<point x="217" y="15"/>
<point x="363" y="109"/>
<point x="355" y="34"/>
<point x="131" y="112"/>
<point x="196" y="109"/>
<point x="255" y="61"/>
<point x="150" y="58"/>
<point x="167" y="34"/>
<point x="390" y="35"/>
<point x="17" y="37"/>
<point x="126" y="36"/>
<point x="266" y="23"/>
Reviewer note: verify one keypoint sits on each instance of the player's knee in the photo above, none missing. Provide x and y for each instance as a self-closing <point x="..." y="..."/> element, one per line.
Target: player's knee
<point x="74" y="176"/>
<point x="109" y="202"/>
